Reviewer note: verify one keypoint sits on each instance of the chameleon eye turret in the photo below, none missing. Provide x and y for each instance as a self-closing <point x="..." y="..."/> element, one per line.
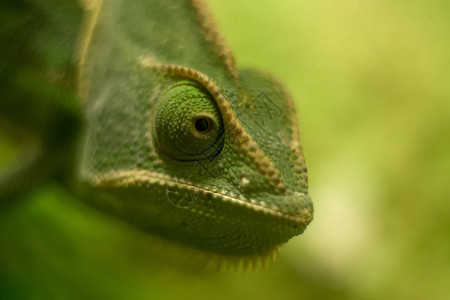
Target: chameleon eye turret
<point x="188" y="124"/>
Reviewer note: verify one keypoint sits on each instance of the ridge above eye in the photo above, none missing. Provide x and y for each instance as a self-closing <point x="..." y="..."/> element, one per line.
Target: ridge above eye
<point x="188" y="123"/>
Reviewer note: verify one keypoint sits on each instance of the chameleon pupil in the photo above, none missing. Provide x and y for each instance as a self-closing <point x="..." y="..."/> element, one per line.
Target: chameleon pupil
<point x="202" y="125"/>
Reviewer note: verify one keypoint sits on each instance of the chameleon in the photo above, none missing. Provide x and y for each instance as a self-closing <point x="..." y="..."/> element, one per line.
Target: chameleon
<point x="139" y="109"/>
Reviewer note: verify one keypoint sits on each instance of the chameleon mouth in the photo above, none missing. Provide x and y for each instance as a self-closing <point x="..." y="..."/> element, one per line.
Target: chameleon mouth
<point x="144" y="178"/>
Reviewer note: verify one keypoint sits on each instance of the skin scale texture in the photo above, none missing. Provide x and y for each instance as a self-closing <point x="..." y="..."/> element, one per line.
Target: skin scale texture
<point x="177" y="140"/>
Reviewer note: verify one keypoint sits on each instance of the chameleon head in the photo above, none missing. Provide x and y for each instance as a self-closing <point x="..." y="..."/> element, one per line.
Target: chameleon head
<point x="180" y="142"/>
<point x="217" y="169"/>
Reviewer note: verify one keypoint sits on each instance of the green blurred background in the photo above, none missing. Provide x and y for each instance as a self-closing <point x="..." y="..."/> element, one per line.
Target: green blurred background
<point x="371" y="80"/>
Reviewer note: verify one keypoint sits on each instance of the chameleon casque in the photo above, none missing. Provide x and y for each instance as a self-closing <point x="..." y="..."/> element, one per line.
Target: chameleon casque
<point x="142" y="113"/>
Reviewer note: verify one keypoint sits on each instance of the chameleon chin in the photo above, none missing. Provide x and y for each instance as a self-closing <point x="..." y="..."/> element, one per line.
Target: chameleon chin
<point x="175" y="139"/>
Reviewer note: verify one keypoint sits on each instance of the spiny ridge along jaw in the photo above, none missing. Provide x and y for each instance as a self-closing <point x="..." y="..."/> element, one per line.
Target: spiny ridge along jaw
<point x="239" y="136"/>
<point x="138" y="178"/>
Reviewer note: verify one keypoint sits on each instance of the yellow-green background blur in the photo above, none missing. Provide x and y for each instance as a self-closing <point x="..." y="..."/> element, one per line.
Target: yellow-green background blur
<point x="371" y="80"/>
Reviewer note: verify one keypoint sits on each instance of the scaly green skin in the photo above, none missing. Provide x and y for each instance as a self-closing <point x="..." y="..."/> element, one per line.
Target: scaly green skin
<point x="180" y="142"/>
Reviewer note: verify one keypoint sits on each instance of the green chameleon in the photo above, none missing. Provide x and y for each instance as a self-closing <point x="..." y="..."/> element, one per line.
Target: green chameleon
<point x="139" y="110"/>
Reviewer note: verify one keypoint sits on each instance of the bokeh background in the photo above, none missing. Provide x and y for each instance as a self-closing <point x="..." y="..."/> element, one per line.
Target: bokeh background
<point x="371" y="80"/>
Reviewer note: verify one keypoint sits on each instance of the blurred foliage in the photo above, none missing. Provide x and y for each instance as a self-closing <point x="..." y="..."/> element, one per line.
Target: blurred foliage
<point x="371" y="81"/>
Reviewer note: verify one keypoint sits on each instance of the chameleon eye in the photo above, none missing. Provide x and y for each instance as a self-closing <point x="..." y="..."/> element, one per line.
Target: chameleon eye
<point x="188" y="123"/>
<point x="203" y="125"/>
